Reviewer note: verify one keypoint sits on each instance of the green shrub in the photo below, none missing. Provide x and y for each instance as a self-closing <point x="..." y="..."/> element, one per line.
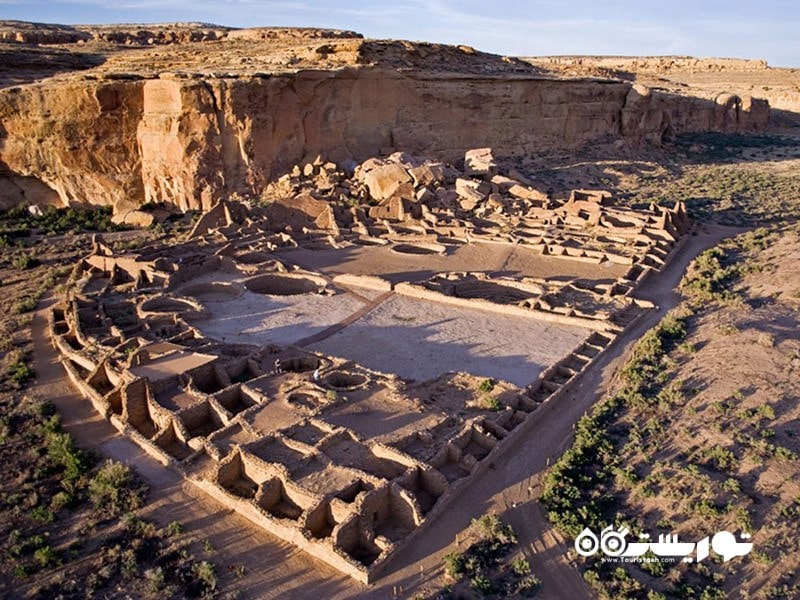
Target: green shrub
<point x="722" y="459"/>
<point x="45" y="556"/>
<point x="18" y="222"/>
<point x="26" y="304"/>
<point x="173" y="528"/>
<point x="490" y="527"/>
<point x="22" y="262"/>
<point x="62" y="451"/>
<point x="491" y="403"/>
<point x="42" y="514"/>
<point x="206" y="575"/>
<point x="21" y="572"/>
<point x="20" y="372"/>
<point x="62" y="499"/>
<point x="486" y="386"/>
<point x="655" y="568"/>
<point x="529" y="587"/>
<point x="481" y="584"/>
<point x="454" y="565"/>
<point x="520" y="566"/>
<point x="114" y="489"/>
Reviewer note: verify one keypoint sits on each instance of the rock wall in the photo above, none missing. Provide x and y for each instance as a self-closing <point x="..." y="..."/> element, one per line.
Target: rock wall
<point x="190" y="142"/>
<point x="76" y="138"/>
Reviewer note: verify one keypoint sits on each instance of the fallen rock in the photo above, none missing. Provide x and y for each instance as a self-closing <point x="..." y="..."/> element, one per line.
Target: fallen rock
<point x="479" y="161"/>
<point x="470" y="191"/>
<point x="384" y="181"/>
<point x="392" y="210"/>
<point x="427" y="174"/>
<point x="526" y="193"/>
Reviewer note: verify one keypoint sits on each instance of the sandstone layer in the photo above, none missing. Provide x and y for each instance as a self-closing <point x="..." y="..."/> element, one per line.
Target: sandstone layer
<point x="228" y="111"/>
<point x="696" y="76"/>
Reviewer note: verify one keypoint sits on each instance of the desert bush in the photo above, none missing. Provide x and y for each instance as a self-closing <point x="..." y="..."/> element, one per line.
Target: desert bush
<point x="486" y="386"/>
<point x="18" y="222"/>
<point x="529" y="586"/>
<point x="206" y="575"/>
<point x="654" y="567"/>
<point x="26" y="304"/>
<point x="454" y="565"/>
<point x="45" y="556"/>
<point x="22" y="262"/>
<point x="491" y="403"/>
<point x="114" y="489"/>
<point x="62" y="451"/>
<point x="490" y="527"/>
<point x="721" y="458"/>
<point x="481" y="584"/>
<point x="521" y="566"/>
<point x="173" y="528"/>
<point x="20" y="372"/>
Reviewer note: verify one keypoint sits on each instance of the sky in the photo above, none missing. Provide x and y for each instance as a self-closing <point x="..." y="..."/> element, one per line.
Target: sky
<point x="768" y="29"/>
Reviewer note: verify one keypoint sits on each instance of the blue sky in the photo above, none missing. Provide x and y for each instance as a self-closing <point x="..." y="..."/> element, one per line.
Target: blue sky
<point x="733" y="28"/>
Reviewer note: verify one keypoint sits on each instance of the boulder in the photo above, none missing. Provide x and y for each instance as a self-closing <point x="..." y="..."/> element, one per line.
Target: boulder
<point x="479" y="161"/>
<point x="427" y="174"/>
<point x="385" y="180"/>
<point x="526" y="193"/>
<point x="471" y="191"/>
<point x="303" y="211"/>
<point x="393" y="209"/>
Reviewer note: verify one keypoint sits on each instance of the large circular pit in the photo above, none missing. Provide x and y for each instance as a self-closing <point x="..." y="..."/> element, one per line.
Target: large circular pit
<point x="282" y="284"/>
<point x="420" y="248"/>
<point x="344" y="381"/>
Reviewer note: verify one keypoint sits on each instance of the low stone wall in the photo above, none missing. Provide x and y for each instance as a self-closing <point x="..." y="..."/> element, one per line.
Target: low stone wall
<point x="420" y="293"/>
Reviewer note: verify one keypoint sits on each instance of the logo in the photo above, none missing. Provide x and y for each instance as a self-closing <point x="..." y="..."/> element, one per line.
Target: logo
<point x="614" y="545"/>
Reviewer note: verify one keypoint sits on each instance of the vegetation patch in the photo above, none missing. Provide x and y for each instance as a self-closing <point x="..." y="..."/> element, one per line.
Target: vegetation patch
<point x="673" y="450"/>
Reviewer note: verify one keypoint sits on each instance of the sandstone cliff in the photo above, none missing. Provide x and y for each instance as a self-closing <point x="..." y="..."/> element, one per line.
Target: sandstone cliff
<point x="114" y="137"/>
<point x="684" y="75"/>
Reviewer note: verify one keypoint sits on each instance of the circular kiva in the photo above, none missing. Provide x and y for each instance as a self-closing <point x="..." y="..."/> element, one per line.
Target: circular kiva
<point x="216" y="291"/>
<point x="344" y="381"/>
<point x="284" y="284"/>
<point x="419" y="248"/>
<point x="168" y="305"/>
<point x="252" y="258"/>
<point x="300" y="364"/>
<point x="487" y="290"/>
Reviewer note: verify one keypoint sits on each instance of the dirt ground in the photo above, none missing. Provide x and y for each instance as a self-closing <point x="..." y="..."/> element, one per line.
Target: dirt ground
<point x="420" y="340"/>
<point x="258" y="319"/>
<point x="499" y="259"/>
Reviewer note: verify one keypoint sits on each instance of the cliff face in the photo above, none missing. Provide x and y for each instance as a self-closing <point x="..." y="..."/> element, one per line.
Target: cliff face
<point x="74" y="142"/>
<point x="685" y="75"/>
<point x="189" y="142"/>
<point x="189" y="113"/>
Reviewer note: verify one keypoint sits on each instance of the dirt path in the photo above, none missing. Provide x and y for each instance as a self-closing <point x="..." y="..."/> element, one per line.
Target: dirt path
<point x="326" y="333"/>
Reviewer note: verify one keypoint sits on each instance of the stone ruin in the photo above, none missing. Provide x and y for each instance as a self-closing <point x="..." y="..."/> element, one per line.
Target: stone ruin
<point x="272" y="431"/>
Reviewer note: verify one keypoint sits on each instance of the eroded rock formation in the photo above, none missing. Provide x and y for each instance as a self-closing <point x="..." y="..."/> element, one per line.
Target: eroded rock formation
<point x="123" y="135"/>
